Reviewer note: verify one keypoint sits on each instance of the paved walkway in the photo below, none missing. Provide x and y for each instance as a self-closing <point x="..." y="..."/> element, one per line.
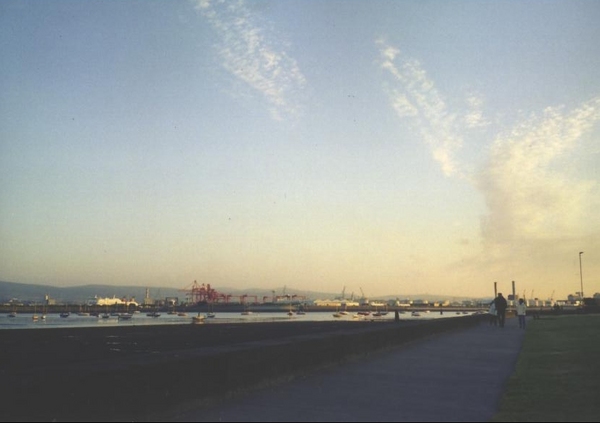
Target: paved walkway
<point x="459" y="376"/>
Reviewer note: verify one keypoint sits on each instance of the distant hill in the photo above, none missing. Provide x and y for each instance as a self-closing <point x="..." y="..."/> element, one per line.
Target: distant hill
<point x="80" y="294"/>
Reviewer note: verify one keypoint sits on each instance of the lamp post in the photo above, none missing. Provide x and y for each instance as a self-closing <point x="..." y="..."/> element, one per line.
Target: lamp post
<point x="581" y="277"/>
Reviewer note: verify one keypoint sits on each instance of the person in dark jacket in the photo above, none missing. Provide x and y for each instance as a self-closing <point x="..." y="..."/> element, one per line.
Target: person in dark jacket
<point x="501" y="305"/>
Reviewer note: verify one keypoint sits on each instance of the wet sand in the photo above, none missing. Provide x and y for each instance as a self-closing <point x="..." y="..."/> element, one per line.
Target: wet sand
<point x="137" y="373"/>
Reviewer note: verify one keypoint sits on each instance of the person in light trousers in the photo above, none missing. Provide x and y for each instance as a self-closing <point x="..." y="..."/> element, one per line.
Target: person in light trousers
<point x="521" y="313"/>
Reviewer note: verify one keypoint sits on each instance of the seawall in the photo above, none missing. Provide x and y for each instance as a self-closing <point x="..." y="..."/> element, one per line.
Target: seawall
<point x="139" y="373"/>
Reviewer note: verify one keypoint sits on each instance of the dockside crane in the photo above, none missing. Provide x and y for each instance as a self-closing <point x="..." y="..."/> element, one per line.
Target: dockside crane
<point x="201" y="293"/>
<point x="364" y="299"/>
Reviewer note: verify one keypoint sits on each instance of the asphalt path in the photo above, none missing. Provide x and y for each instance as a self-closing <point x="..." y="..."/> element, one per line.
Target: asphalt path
<point x="454" y="376"/>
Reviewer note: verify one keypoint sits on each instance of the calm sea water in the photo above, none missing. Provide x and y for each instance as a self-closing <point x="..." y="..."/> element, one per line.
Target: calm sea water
<point x="25" y="321"/>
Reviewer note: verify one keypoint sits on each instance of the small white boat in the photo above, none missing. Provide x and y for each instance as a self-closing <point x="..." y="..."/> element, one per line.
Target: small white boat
<point x="415" y="314"/>
<point x="125" y="316"/>
<point x="198" y="319"/>
<point x="210" y="315"/>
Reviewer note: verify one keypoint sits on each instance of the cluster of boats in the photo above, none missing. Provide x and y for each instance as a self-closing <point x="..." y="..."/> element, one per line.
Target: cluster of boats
<point x="35" y="317"/>
<point x="365" y="314"/>
<point x="360" y="314"/>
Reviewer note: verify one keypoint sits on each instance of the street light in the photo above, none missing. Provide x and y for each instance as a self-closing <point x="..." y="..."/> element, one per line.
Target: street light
<point x="581" y="277"/>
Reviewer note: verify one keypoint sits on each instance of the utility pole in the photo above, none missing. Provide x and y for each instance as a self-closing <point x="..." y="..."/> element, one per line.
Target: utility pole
<point x="581" y="277"/>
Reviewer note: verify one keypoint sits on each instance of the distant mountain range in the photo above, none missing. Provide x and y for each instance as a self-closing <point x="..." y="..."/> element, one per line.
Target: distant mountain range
<point x="80" y="294"/>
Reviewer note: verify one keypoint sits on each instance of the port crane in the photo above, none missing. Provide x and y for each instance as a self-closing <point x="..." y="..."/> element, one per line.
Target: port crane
<point x="202" y="293"/>
<point x="364" y="300"/>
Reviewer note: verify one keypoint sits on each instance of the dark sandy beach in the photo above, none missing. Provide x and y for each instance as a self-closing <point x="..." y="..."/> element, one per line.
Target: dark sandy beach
<point x="141" y="372"/>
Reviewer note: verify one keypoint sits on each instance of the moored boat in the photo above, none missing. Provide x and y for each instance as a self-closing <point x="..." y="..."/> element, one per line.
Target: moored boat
<point x="198" y="319"/>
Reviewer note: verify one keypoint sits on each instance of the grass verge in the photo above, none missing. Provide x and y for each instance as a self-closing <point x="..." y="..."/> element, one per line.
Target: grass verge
<point x="557" y="377"/>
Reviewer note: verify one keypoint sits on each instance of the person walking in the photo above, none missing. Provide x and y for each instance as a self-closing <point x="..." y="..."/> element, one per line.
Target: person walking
<point x="501" y="305"/>
<point x="521" y="313"/>
<point x="493" y="314"/>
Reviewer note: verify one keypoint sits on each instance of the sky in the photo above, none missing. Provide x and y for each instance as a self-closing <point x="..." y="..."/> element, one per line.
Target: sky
<point x="388" y="147"/>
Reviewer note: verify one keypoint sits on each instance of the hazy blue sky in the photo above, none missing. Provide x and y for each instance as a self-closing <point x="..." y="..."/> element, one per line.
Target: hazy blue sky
<point x="401" y="147"/>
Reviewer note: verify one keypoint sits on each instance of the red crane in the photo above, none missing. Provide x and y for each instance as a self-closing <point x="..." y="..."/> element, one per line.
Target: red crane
<point x="202" y="293"/>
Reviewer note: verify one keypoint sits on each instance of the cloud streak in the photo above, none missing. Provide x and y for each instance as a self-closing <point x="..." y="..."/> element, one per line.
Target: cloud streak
<point x="412" y="94"/>
<point x="254" y="56"/>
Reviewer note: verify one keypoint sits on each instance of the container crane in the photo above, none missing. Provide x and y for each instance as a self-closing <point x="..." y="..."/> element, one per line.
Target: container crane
<point x="364" y="299"/>
<point x="201" y="293"/>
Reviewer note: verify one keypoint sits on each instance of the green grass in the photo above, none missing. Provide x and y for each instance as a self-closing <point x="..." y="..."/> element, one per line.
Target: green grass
<point x="557" y="377"/>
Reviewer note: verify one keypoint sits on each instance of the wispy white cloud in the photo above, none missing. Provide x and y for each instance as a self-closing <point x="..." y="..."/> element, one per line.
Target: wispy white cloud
<point x="528" y="187"/>
<point x="254" y="56"/>
<point x="540" y="206"/>
<point x="474" y="117"/>
<point x="412" y="93"/>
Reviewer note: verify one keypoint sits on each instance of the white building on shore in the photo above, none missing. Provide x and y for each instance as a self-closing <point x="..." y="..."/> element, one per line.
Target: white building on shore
<point x="335" y="303"/>
<point x="107" y="301"/>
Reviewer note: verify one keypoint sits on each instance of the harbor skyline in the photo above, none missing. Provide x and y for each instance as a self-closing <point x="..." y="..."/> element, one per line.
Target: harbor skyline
<point x="411" y="147"/>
